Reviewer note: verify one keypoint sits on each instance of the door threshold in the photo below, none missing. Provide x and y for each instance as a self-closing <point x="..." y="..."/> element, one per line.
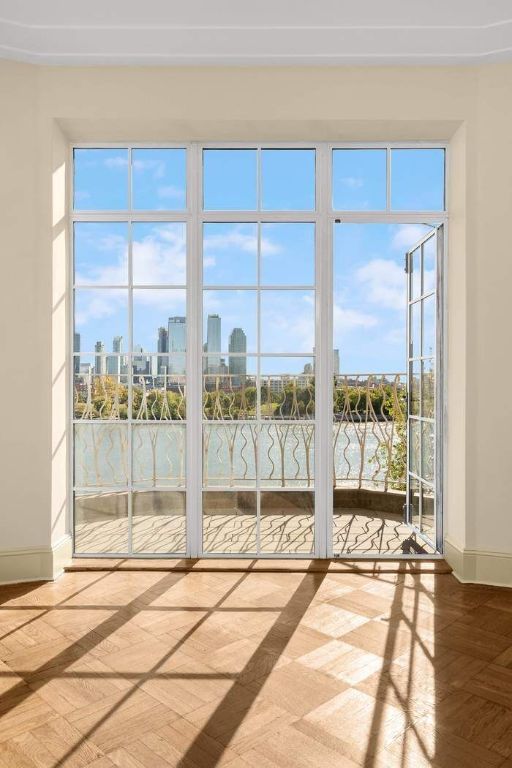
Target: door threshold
<point x="375" y="565"/>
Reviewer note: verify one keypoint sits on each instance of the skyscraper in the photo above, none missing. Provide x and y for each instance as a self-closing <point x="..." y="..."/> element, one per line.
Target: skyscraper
<point x="114" y="361"/>
<point x="237" y="343"/>
<point x="177" y="344"/>
<point x="213" y="336"/>
<point x="99" y="360"/>
<point x="162" y="349"/>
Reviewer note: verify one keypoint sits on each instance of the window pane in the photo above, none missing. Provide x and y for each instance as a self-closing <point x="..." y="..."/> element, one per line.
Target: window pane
<point x="230" y="393"/>
<point x="159" y="396"/>
<point x="230" y="254"/>
<point x="429" y="326"/>
<point x="101" y="320"/>
<point x="229" y="323"/>
<point x="414" y="501"/>
<point x="229" y="179"/>
<point x="417" y="179"/>
<point x="229" y="455"/>
<point x="101" y="396"/>
<point x="427" y="451"/>
<point x="429" y="264"/>
<point x="229" y="521"/>
<point x="428" y="389"/>
<point x="415" y="331"/>
<point x="154" y="312"/>
<point x="159" y="253"/>
<point x="288" y="179"/>
<point x="415" y="446"/>
<point x="101" y="179"/>
<point x="287" y="321"/>
<point x="287" y="388"/>
<point x="101" y="253"/>
<point x="101" y="522"/>
<point x="287" y="455"/>
<point x="415" y="405"/>
<point x="428" y="520"/>
<point x="288" y="254"/>
<point x="158" y="452"/>
<point x="158" y="179"/>
<point x="287" y="522"/>
<point x="359" y="179"/>
<point x="415" y="266"/>
<point x="101" y="455"/>
<point x="159" y="523"/>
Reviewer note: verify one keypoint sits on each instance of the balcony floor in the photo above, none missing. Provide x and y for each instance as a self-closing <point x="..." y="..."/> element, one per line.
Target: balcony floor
<point x="356" y="532"/>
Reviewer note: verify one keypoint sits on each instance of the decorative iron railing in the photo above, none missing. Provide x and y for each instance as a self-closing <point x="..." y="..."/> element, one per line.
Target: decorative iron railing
<point x="254" y="430"/>
<point x="369" y="439"/>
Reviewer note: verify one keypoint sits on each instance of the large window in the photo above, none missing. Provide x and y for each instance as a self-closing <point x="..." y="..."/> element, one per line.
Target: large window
<point x="203" y="364"/>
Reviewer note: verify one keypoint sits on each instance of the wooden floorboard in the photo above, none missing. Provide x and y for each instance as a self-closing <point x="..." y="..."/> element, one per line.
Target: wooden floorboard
<point x="236" y="665"/>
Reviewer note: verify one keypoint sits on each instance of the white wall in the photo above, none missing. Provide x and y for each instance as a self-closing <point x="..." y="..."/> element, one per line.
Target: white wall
<point x="43" y="108"/>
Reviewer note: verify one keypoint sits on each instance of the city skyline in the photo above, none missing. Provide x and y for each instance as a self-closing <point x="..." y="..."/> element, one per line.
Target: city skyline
<point x="170" y="358"/>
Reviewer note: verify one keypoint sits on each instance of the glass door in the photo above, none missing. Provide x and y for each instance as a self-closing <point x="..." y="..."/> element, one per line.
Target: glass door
<point x="423" y="453"/>
<point x="258" y="351"/>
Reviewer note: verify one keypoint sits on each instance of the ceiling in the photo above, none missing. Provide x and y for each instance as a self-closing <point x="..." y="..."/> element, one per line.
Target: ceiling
<point x="298" y="32"/>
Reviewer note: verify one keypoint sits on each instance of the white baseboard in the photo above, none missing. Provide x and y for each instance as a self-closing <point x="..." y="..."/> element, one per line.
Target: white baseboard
<point x="472" y="566"/>
<point x="35" y="564"/>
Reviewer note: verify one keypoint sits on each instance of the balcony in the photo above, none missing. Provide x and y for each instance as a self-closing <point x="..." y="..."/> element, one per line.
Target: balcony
<point x="251" y="440"/>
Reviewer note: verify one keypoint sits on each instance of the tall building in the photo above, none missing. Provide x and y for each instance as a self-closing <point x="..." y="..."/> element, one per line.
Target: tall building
<point x="162" y="349"/>
<point x="76" y="348"/>
<point x="336" y="361"/>
<point x="99" y="360"/>
<point x="177" y="344"/>
<point x="213" y="337"/>
<point x="114" y="361"/>
<point x="238" y="344"/>
<point x="140" y="361"/>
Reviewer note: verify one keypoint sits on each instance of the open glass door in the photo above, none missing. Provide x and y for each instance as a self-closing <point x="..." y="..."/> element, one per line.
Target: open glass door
<point x="423" y="448"/>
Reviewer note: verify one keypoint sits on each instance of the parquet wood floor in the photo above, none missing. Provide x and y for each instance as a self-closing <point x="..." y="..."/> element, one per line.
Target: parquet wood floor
<point x="255" y="669"/>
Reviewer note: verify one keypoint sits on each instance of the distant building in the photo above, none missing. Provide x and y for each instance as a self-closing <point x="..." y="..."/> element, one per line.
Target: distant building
<point x="213" y="341"/>
<point x="114" y="362"/>
<point x="162" y="349"/>
<point x="140" y="361"/>
<point x="99" y="360"/>
<point x="336" y="361"/>
<point x="76" y="348"/>
<point x="237" y="344"/>
<point x="177" y="344"/>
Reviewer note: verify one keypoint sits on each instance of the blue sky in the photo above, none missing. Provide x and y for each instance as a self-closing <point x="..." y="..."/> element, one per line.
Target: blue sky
<point x="369" y="300"/>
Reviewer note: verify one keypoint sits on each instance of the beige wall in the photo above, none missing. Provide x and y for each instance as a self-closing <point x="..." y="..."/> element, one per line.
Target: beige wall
<point x="44" y="108"/>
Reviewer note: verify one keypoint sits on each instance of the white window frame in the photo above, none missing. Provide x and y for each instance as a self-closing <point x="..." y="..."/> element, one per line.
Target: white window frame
<point x="324" y="217"/>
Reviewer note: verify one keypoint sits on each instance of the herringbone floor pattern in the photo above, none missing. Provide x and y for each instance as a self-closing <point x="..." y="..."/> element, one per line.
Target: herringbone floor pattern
<point x="255" y="670"/>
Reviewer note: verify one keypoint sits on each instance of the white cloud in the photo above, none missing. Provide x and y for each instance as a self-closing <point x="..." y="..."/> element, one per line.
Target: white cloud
<point x="233" y="238"/>
<point x="238" y="239"/>
<point x="352" y="182"/>
<point x="160" y="257"/>
<point x="346" y="319"/>
<point x="170" y="192"/>
<point x="98" y="305"/>
<point x="384" y="283"/>
<point x="406" y="236"/>
<point x="115" y="162"/>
